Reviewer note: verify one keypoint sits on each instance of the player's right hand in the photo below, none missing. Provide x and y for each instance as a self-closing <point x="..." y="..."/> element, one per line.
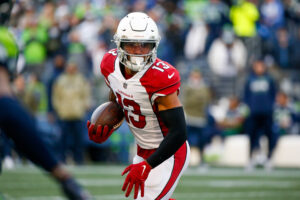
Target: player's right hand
<point x="136" y="177"/>
<point x="102" y="132"/>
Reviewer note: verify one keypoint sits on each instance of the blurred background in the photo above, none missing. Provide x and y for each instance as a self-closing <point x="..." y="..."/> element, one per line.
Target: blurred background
<point x="239" y="62"/>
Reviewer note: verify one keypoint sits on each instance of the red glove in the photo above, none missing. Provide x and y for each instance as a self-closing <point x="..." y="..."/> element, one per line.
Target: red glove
<point x="102" y="133"/>
<point x="137" y="176"/>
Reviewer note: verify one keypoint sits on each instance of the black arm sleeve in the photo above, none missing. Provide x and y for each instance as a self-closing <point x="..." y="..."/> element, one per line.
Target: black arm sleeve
<point x="175" y="122"/>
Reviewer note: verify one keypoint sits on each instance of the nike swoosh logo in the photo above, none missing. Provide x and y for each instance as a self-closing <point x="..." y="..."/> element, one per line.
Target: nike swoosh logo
<point x="144" y="167"/>
<point x="170" y="76"/>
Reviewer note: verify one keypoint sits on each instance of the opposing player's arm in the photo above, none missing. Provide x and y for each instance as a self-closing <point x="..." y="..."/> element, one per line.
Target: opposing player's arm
<point x="171" y="113"/>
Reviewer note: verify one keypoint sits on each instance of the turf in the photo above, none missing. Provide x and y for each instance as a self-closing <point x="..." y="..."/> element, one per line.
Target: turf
<point x="104" y="182"/>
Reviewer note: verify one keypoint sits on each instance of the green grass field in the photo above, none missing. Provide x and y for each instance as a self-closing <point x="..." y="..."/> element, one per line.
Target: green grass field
<point x="104" y="182"/>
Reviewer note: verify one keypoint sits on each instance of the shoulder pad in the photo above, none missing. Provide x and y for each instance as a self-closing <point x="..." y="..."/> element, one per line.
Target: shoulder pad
<point x="107" y="65"/>
<point x="161" y="78"/>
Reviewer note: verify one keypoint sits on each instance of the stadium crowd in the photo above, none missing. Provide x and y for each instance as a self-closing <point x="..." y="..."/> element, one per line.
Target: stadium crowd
<point x="239" y="62"/>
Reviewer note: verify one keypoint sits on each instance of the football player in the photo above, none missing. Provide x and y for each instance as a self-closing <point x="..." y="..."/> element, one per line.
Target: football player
<point x="18" y="124"/>
<point x="147" y="89"/>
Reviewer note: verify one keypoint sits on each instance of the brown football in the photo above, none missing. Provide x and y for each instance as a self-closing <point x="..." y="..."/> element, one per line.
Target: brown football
<point x="108" y="113"/>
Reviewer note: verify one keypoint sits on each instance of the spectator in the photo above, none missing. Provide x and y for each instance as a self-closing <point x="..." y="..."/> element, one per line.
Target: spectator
<point x="235" y="116"/>
<point x="291" y="12"/>
<point x="283" y="50"/>
<point x="272" y="14"/>
<point x="226" y="118"/>
<point x="35" y="97"/>
<point x="55" y="42"/>
<point x="88" y="32"/>
<point x="196" y="99"/>
<point x="284" y="115"/>
<point x="227" y="58"/>
<point x="54" y="132"/>
<point x="58" y="69"/>
<point x="215" y="14"/>
<point x="35" y="38"/>
<point x="139" y="6"/>
<point x="82" y="8"/>
<point x="231" y="54"/>
<point x="272" y="18"/>
<point x="193" y="9"/>
<point x="259" y="95"/>
<point x="46" y="18"/>
<point x="107" y="30"/>
<point x="59" y="32"/>
<point x="296" y="52"/>
<point x="195" y="40"/>
<point x="77" y="53"/>
<point x="173" y="39"/>
<point x="71" y="100"/>
<point x="244" y="16"/>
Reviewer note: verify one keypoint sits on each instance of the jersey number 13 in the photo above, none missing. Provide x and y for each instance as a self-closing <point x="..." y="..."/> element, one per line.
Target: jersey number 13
<point x="135" y="116"/>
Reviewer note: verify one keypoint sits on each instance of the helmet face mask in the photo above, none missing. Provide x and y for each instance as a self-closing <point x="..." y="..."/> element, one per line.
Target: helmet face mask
<point x="136" y="55"/>
<point x="137" y="40"/>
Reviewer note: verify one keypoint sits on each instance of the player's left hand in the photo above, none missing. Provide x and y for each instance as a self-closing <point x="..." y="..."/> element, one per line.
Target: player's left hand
<point x="136" y="177"/>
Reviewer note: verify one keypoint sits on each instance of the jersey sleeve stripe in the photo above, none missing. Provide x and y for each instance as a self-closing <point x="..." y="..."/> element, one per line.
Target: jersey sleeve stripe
<point x="168" y="88"/>
<point x="165" y="91"/>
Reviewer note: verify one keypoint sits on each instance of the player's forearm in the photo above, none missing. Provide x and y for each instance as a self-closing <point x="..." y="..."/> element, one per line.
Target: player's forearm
<point x="175" y="121"/>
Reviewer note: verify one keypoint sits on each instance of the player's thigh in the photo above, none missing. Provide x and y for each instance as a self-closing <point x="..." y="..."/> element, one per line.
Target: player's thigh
<point x="163" y="179"/>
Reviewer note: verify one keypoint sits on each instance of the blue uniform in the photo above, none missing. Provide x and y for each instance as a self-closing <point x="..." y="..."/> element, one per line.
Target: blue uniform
<point x="19" y="125"/>
<point x="259" y="95"/>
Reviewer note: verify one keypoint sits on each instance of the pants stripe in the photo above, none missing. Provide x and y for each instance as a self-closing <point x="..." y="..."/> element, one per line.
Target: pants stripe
<point x="179" y="161"/>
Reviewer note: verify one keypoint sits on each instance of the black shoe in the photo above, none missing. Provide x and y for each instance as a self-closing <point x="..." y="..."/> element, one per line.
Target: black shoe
<point x="73" y="190"/>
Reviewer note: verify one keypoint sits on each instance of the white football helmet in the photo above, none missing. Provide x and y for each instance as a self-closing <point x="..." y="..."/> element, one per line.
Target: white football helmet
<point x="136" y="27"/>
